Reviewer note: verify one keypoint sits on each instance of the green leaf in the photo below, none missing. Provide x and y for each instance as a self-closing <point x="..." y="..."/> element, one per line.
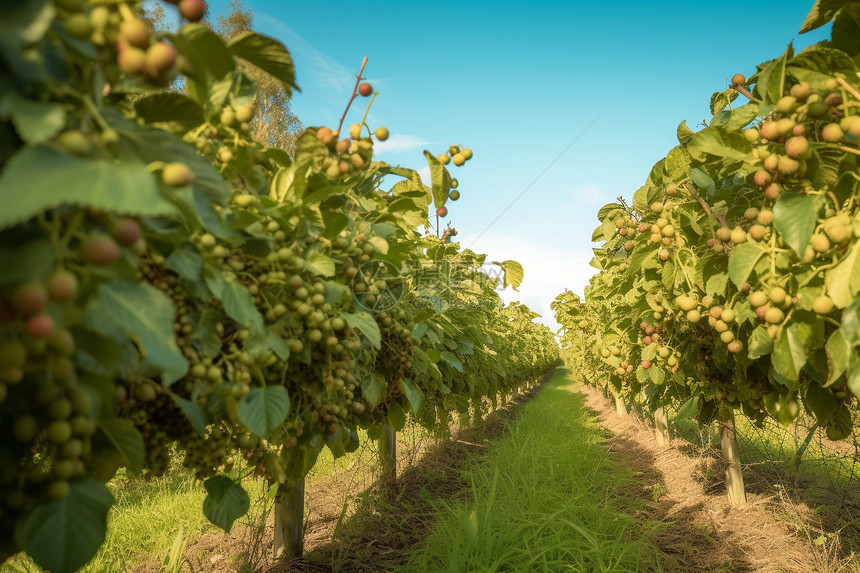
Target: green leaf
<point x="238" y="302"/>
<point x="795" y="216"/>
<point x="380" y="244"/>
<point x="817" y="64"/>
<point x="760" y="344"/>
<point x="366" y="324"/>
<point x="267" y="54"/>
<point x="208" y="59"/>
<point x="440" y="185"/>
<point x="720" y="143"/>
<point x="742" y="260"/>
<point x="822" y="12"/>
<point x="684" y="133"/>
<point x="29" y="260"/>
<point x="373" y="389"/>
<point x="451" y="359"/>
<point x="62" y="536"/>
<point x="782" y="406"/>
<point x="34" y="121"/>
<point x="141" y="311"/>
<point x="513" y="273"/>
<point x="227" y="501"/>
<point x="843" y="281"/>
<point x="169" y="107"/>
<point x="839" y="352"/>
<point x="702" y="179"/>
<point x="414" y="395"/>
<point x="320" y="264"/>
<point x="396" y="417"/>
<point x="127" y="441"/>
<point x="193" y="412"/>
<point x="24" y="23"/>
<point x="789" y="351"/>
<point x="52" y="178"/>
<point x="771" y="80"/>
<point x="263" y="409"/>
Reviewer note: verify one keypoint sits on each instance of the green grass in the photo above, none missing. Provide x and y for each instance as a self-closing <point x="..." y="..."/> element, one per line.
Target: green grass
<point x="547" y="497"/>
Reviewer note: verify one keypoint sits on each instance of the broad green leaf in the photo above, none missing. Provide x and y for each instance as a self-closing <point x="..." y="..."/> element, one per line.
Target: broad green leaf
<point x="760" y="344"/>
<point x="267" y="54"/>
<point x="373" y="389"/>
<point x="263" y="409"/>
<point x="321" y="265"/>
<point x="169" y="107"/>
<point x="702" y="180"/>
<point x="817" y="64"/>
<point x="720" y="143"/>
<point x="24" y="23"/>
<point x="193" y="412"/>
<point x="451" y="359"/>
<point x="440" y="185"/>
<point x="771" y="80"/>
<point x="822" y="12"/>
<point x="839" y="353"/>
<point x="34" y="121"/>
<point x="127" y="441"/>
<point x="845" y="34"/>
<point x="821" y="401"/>
<point x="684" y="133"/>
<point x="62" y="536"/>
<point x="843" y="281"/>
<point x="141" y="311"/>
<point x="413" y="394"/>
<point x="853" y="374"/>
<point x="227" y="501"/>
<point x="238" y="302"/>
<point x="513" y="273"/>
<point x="789" y="351"/>
<point x="795" y="216"/>
<point x="40" y="178"/>
<point x="366" y="324"/>
<point x="396" y="417"/>
<point x="208" y="59"/>
<point x="742" y="260"/>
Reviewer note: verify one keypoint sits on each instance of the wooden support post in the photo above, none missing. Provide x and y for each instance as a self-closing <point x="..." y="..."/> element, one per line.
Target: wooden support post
<point x="388" y="456"/>
<point x="620" y="407"/>
<point x="732" y="460"/>
<point x="661" y="426"/>
<point x="289" y="520"/>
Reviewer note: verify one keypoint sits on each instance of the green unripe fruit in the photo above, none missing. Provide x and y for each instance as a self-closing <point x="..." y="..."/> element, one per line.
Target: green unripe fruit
<point x="694" y="316"/>
<point x="757" y="299"/>
<point x="72" y="449"/>
<point x="131" y="61"/>
<point x="720" y="326"/>
<point x="208" y="241"/>
<point x="735" y="346"/>
<point x="244" y="113"/>
<point x="59" y="490"/>
<point x="851" y="125"/>
<point x="787" y="165"/>
<point x="60" y="409"/>
<point x="454" y="195"/>
<point x="774" y="315"/>
<point x="443" y="158"/>
<point x="786" y="104"/>
<point x="81" y="401"/>
<point x="785" y="126"/>
<point x="823" y="305"/>
<point x="686" y="303"/>
<point x="355" y="131"/>
<point x="800" y="91"/>
<point x="777" y="295"/>
<point x="75" y="142"/>
<point x="657" y="207"/>
<point x="29" y="298"/>
<point x="314" y="335"/>
<point x="832" y="133"/>
<point x="728" y="315"/>
<point x="78" y="26"/>
<point x="458" y="159"/>
<point x="159" y="58"/>
<point x="59" y="432"/>
<point x="135" y="32"/>
<point x="177" y="174"/>
<point x="382" y="134"/>
<point x="99" y="250"/>
<point x="820" y="243"/>
<point x="738" y="236"/>
<point x="63" y="469"/>
<point x="727" y="336"/>
<point x="724" y="234"/>
<point x="796" y="146"/>
<point x="62" y="285"/>
<point x="765" y="217"/>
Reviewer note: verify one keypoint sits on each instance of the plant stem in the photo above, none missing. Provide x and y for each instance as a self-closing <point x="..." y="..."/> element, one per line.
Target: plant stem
<point x="354" y="93"/>
<point x="848" y="88"/>
<point x="743" y="91"/>
<point x="367" y="111"/>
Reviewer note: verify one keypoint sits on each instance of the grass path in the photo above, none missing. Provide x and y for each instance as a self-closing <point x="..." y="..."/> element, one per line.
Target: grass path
<point x="546" y="497"/>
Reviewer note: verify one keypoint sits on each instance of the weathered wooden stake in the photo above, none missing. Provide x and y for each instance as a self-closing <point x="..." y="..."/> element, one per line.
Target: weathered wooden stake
<point x="661" y="426"/>
<point x="289" y="520"/>
<point x="734" y="477"/>
<point x="388" y="456"/>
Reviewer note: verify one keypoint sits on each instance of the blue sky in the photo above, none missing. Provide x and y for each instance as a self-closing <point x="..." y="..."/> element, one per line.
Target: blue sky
<point x="517" y="83"/>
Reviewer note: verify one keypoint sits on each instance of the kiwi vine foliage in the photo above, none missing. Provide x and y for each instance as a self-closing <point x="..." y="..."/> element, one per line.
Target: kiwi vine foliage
<point x="172" y="286"/>
<point x="731" y="281"/>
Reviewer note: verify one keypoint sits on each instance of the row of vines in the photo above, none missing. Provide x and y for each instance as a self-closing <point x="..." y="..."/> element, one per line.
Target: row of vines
<point x="731" y="281"/>
<point x="170" y="286"/>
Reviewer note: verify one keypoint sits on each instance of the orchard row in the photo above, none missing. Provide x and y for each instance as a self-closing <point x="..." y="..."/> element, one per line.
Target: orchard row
<point x="171" y="286"/>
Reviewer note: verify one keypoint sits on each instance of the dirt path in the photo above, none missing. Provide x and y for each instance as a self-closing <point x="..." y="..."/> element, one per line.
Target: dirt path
<point x="701" y="533"/>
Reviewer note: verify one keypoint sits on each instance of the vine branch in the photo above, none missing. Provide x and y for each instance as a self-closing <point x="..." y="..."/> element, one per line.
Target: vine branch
<point x="743" y="91"/>
<point x="354" y="93"/>
<point x="710" y="213"/>
<point x="848" y="88"/>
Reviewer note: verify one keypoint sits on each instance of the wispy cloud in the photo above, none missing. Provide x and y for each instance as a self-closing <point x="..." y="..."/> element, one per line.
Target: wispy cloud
<point x="400" y="142"/>
<point x="590" y="193"/>
<point x="549" y="269"/>
<point x="325" y="69"/>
